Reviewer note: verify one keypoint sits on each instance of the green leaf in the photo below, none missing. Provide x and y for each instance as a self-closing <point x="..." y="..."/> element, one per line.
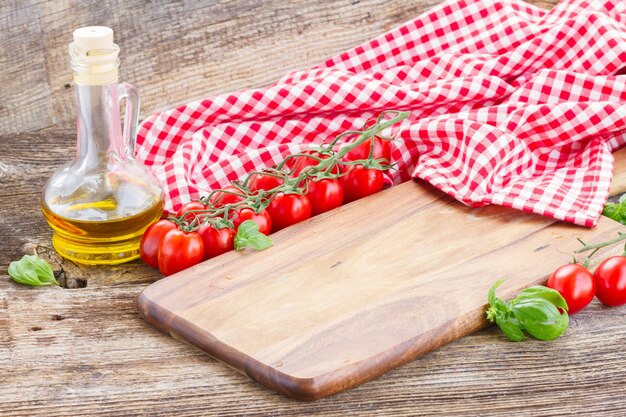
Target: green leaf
<point x="540" y="318"/>
<point x="612" y="211"/>
<point x="621" y="209"/>
<point x="32" y="270"/>
<point x="549" y="330"/>
<point x="23" y="274"/>
<point x="616" y="211"/>
<point x="539" y="291"/>
<point x="499" y="312"/>
<point x="511" y="329"/>
<point x="534" y="311"/>
<point x="248" y="235"/>
<point x="492" y="292"/>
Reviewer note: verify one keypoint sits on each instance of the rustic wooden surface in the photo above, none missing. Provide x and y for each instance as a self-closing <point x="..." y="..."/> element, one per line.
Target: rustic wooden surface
<point x="364" y="296"/>
<point x="176" y="51"/>
<point x="86" y="351"/>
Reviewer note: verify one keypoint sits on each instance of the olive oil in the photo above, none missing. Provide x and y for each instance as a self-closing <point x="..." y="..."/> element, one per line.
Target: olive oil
<point x="106" y="231"/>
<point x="99" y="204"/>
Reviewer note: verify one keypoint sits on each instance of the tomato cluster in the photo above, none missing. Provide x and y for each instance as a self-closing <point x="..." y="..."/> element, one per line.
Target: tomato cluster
<point x="171" y="249"/>
<point x="579" y="286"/>
<point x="301" y="186"/>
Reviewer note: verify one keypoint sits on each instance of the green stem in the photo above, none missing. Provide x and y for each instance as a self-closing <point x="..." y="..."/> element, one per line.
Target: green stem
<point x="587" y="247"/>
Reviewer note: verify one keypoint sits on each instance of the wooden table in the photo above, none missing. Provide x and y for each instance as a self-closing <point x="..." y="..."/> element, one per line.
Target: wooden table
<point x="84" y="350"/>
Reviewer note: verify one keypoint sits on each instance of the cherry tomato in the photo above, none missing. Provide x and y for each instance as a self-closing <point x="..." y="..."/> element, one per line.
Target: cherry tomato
<point x="576" y="284"/>
<point x="179" y="250"/>
<point x="262" y="218"/>
<point x="382" y="149"/>
<point x="359" y="182"/>
<point x="298" y="163"/>
<point x="324" y="195"/>
<point x="149" y="245"/>
<point x="216" y="241"/>
<point x="610" y="278"/>
<point x="264" y="182"/>
<point x="194" y="205"/>
<point x="228" y="196"/>
<point x="288" y="209"/>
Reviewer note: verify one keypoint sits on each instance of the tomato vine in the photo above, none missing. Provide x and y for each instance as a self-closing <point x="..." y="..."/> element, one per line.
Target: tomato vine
<point x="329" y="163"/>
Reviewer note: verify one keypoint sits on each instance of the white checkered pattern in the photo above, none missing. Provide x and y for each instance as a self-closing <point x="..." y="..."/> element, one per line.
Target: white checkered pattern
<point x="510" y="104"/>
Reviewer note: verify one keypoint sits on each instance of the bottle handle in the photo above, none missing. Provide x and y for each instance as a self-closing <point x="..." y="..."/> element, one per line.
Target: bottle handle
<point x="131" y="115"/>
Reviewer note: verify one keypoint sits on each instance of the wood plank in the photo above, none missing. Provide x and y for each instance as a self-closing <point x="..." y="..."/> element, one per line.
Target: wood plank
<point x="85" y="365"/>
<point x="25" y="94"/>
<point x="178" y="51"/>
<point x="345" y="297"/>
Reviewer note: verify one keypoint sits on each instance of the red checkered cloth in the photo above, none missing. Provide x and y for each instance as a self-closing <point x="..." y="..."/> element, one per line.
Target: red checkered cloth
<point x="510" y="104"/>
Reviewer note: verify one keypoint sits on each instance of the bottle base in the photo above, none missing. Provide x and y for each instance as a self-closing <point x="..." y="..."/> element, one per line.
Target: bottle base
<point x="97" y="254"/>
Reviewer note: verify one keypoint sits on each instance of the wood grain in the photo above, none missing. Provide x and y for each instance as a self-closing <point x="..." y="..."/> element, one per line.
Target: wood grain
<point x="177" y="51"/>
<point x="86" y="351"/>
<point x="346" y="296"/>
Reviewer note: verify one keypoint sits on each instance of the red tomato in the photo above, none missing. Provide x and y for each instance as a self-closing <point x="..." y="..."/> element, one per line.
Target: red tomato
<point x="324" y="195"/>
<point x="192" y="206"/>
<point x="382" y="149"/>
<point x="611" y="281"/>
<point x="297" y="164"/>
<point x="220" y="199"/>
<point x="264" y="182"/>
<point x="261" y="218"/>
<point x="149" y="245"/>
<point x="288" y="209"/>
<point x="179" y="250"/>
<point x="359" y="182"/>
<point x="216" y="241"/>
<point x="576" y="284"/>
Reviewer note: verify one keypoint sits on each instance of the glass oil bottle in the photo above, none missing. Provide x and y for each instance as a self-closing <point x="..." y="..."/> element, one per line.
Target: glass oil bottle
<point x="100" y="203"/>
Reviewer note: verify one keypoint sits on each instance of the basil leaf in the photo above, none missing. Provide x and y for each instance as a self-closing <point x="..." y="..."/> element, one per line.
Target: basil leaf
<point x="498" y="308"/>
<point x="248" y="235"/>
<point x="548" y="330"/>
<point x="32" y="270"/>
<point x="616" y="211"/>
<point x="20" y="269"/>
<point x="612" y="211"/>
<point x="545" y="293"/>
<point x="511" y="329"/>
<point x="23" y="275"/>
<point x="42" y="267"/>
<point x="540" y="318"/>
<point x="492" y="292"/>
<point x="621" y="210"/>
<point x="534" y="311"/>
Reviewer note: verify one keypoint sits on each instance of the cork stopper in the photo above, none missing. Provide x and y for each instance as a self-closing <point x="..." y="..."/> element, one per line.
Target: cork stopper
<point x="92" y="37"/>
<point x="93" y="56"/>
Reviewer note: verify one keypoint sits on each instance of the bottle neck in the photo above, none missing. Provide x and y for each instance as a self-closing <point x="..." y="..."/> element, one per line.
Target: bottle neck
<point x="98" y="122"/>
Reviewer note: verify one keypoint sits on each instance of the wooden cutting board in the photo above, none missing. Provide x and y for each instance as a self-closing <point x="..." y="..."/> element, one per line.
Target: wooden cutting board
<point x="350" y="294"/>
